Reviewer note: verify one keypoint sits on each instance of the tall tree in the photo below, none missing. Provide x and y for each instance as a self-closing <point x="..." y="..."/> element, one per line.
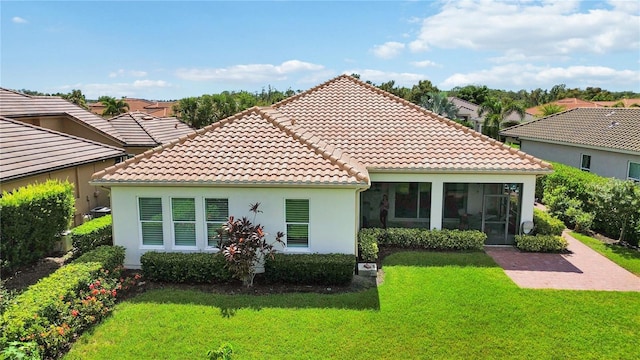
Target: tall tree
<point x="472" y="93"/>
<point x="76" y="97"/>
<point x="495" y="113"/>
<point x="440" y="104"/>
<point x="113" y="107"/>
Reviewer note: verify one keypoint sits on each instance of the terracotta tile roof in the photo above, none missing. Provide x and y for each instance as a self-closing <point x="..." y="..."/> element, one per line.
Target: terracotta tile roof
<point x="387" y="133"/>
<point x="257" y="146"/>
<point x="15" y="105"/>
<point x="155" y="108"/>
<point x="27" y="150"/>
<point x="567" y="104"/>
<point x="142" y="129"/>
<point x="607" y="128"/>
<point x="623" y="102"/>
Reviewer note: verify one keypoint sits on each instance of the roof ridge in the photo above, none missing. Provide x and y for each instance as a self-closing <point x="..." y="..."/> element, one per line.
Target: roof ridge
<point x="142" y="125"/>
<point x="18" y="122"/>
<point x="307" y="92"/>
<point x="336" y="156"/>
<point x="16" y="92"/>
<point x="160" y="148"/>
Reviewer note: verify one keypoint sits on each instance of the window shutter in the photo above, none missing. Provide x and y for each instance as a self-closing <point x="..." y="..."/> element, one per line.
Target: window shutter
<point x="297" y="210"/>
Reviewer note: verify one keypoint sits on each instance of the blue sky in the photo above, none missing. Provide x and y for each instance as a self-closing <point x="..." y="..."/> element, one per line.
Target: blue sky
<point x="169" y="50"/>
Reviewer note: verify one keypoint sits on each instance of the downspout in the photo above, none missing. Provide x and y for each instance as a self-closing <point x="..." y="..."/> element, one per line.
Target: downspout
<point x="357" y="222"/>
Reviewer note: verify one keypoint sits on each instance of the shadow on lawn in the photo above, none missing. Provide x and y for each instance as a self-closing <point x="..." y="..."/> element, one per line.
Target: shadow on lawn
<point x="229" y="304"/>
<point x="625" y="252"/>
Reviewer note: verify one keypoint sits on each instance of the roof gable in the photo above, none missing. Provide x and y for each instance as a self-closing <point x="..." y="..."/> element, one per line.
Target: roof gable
<point x="616" y="129"/>
<point x="142" y="129"/>
<point x="257" y="146"/>
<point x="28" y="150"/>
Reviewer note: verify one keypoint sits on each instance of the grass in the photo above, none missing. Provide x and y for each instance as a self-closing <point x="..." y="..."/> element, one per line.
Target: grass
<point x="626" y="258"/>
<point x="431" y="305"/>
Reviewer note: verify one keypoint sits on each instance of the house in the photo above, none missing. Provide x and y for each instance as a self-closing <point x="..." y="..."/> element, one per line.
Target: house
<point x="30" y="154"/>
<point x="153" y="108"/>
<point x="469" y="111"/>
<point x="135" y="132"/>
<point x="605" y="141"/>
<point x="566" y="104"/>
<point x="319" y="163"/>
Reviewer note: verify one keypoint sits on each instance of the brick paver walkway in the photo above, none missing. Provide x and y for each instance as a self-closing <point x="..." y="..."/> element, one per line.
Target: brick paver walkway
<point x="582" y="269"/>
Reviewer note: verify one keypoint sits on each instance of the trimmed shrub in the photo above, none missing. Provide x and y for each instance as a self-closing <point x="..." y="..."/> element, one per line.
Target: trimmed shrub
<point x="32" y="218"/>
<point x="110" y="257"/>
<point x="320" y="269"/>
<point x="546" y="224"/>
<point x="541" y="243"/>
<point x="185" y="267"/>
<point x="92" y="234"/>
<point x="444" y="239"/>
<point x="368" y="244"/>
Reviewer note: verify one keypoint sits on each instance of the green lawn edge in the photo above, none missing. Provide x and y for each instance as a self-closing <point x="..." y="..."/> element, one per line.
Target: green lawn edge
<point x="626" y="258"/>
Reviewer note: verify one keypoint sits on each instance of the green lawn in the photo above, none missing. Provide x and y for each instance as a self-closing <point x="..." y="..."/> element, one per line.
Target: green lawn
<point x="431" y="305"/>
<point x="627" y="258"/>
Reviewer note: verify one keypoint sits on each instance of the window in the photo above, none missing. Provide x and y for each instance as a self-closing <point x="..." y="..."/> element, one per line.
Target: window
<point x="216" y="214"/>
<point x="150" y="215"/>
<point x="183" y="214"/>
<point x="412" y="200"/>
<point x="634" y="171"/>
<point x="297" y="221"/>
<point x="455" y="199"/>
<point x="585" y="165"/>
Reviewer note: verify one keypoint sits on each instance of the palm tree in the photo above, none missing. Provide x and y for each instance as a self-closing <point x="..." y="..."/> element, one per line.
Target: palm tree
<point x="113" y="107"/>
<point x="496" y="112"/>
<point x="550" y="109"/>
<point x="438" y="103"/>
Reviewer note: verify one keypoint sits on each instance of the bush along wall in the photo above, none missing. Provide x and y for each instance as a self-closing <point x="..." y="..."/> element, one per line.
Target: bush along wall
<point x="541" y="243"/>
<point x="185" y="267"/>
<point x="92" y="234"/>
<point x="586" y="201"/>
<point x="32" y="218"/>
<point x="545" y="224"/>
<point x="310" y="269"/>
<point x="55" y="310"/>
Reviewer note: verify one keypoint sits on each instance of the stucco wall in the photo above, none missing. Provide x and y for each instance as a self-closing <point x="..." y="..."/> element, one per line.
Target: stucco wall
<point x="437" y="186"/>
<point x="332" y="215"/>
<point x="69" y="126"/>
<point x="87" y="196"/>
<point x="603" y="163"/>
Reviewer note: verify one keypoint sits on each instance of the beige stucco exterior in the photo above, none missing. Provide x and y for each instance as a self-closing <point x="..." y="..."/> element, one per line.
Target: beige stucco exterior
<point x="67" y="125"/>
<point x="87" y="196"/>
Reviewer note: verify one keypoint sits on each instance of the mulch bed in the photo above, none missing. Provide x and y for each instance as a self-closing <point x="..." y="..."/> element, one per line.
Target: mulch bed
<point x="26" y="276"/>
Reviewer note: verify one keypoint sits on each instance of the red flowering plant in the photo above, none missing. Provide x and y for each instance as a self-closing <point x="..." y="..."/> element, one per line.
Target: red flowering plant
<point x="244" y="245"/>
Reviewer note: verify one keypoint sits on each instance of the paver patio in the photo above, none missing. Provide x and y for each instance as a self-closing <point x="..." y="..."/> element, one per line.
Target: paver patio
<point x="582" y="269"/>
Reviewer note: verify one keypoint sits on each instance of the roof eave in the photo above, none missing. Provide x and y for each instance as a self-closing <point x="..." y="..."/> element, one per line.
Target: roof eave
<point x="61" y="167"/>
<point x="280" y="184"/>
<point x="566" y="143"/>
<point x="460" y="171"/>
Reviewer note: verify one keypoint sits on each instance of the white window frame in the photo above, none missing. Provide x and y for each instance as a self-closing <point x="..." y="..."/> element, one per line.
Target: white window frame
<point x="582" y="161"/>
<point x="629" y="170"/>
<point x="140" y="221"/>
<point x="298" y="249"/>
<point x="206" y="222"/>
<point x="173" y="222"/>
<point x="392" y="203"/>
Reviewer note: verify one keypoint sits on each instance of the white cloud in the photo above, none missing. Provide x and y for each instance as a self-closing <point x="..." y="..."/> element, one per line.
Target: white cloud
<point x="531" y="28"/>
<point x="120" y="89"/>
<point x="19" y="20"/>
<point x="378" y="76"/>
<point x="255" y="73"/>
<point x="123" y="72"/>
<point x="529" y="76"/>
<point x="424" y="63"/>
<point x="388" y="50"/>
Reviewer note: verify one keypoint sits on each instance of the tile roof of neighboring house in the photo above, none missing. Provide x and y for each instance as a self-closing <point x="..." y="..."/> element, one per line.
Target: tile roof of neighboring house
<point x="257" y="146"/>
<point x="155" y="108"/>
<point x="27" y="150"/>
<point x="607" y="128"/>
<point x="306" y="139"/>
<point x="16" y="105"/>
<point x="142" y="129"/>
<point x="471" y="110"/>
<point x="623" y="102"/>
<point x="567" y="104"/>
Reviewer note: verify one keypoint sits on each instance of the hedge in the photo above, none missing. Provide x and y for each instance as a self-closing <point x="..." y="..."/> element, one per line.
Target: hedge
<point x="546" y="224"/>
<point x="110" y="257"/>
<point x="541" y="243"/>
<point x="92" y="234"/>
<point x="368" y="244"/>
<point x="185" y="267"/>
<point x="310" y="269"/>
<point x="31" y="220"/>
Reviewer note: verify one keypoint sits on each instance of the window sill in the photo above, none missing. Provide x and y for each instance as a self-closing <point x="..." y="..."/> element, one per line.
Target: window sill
<point x="297" y="250"/>
<point x="152" y="247"/>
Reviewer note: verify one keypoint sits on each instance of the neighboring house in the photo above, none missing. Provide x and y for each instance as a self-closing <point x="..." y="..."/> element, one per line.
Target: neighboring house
<point x="468" y="111"/>
<point x="154" y="108"/>
<point x="620" y="103"/>
<point x="605" y="141"/>
<point x="566" y="104"/>
<point x="134" y="132"/>
<point x="319" y="164"/>
<point x="30" y="154"/>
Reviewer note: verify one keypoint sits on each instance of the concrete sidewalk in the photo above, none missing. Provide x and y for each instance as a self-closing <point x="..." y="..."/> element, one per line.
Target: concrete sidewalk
<point x="582" y="269"/>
